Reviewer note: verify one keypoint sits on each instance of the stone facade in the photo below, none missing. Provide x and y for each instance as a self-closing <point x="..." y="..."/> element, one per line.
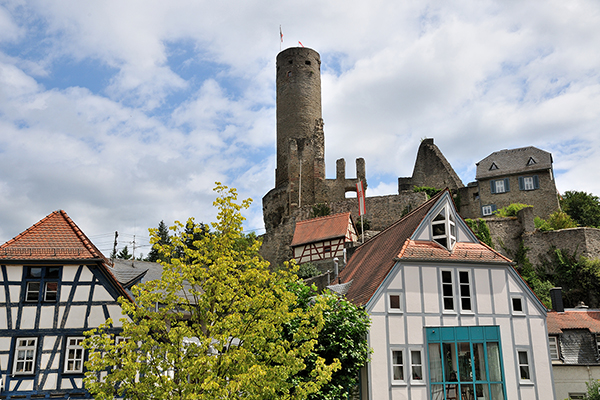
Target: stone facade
<point x="522" y="175"/>
<point x="431" y="170"/>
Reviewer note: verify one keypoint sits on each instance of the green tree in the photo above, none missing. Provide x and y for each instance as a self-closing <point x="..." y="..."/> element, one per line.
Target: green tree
<point x="557" y="220"/>
<point x="320" y="210"/>
<point x="584" y="208"/>
<point x="481" y="230"/>
<point x="124" y="254"/>
<point x="162" y="233"/>
<point x="218" y="330"/>
<point x="511" y="210"/>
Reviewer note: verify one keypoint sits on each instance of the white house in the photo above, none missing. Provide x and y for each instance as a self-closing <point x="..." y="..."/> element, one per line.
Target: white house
<point x="55" y="285"/>
<point x="451" y="318"/>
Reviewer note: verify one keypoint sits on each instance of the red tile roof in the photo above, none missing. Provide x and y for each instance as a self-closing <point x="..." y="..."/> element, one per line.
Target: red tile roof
<point x="573" y="319"/>
<point x="464" y="252"/>
<point x="374" y="260"/>
<point x="55" y="237"/>
<point x="321" y="228"/>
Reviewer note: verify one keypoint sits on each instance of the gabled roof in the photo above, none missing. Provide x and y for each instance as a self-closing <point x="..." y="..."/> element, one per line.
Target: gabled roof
<point x="513" y="161"/>
<point x="372" y="262"/>
<point x="321" y="228"/>
<point x="573" y="319"/>
<point x="55" y="237"/>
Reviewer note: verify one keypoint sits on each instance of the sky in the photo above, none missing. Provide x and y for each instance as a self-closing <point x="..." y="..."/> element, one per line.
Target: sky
<point x="124" y="113"/>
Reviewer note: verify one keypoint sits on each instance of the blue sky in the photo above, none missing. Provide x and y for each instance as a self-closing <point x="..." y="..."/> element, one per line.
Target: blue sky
<point x="125" y="113"/>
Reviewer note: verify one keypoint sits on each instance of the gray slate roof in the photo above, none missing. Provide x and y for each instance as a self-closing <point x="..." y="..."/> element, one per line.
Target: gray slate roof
<point x="513" y="161"/>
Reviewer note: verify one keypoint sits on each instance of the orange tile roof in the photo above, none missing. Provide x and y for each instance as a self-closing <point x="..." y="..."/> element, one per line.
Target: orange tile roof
<point x="373" y="261"/>
<point x="573" y="319"/>
<point x="469" y="252"/>
<point x="55" y="237"/>
<point x="321" y="228"/>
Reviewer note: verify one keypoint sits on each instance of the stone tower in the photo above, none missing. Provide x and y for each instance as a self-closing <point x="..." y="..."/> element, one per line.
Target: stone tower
<point x="300" y="175"/>
<point x="300" y="138"/>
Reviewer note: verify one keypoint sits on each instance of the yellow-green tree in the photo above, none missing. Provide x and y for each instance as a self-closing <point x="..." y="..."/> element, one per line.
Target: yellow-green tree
<point x="216" y="326"/>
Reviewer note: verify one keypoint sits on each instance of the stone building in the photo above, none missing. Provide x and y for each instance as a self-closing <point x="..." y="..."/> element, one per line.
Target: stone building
<point x="522" y="175"/>
<point x="431" y="170"/>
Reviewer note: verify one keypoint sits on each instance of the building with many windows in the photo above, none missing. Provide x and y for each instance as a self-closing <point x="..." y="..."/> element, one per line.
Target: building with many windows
<point x="55" y="285"/>
<point x="451" y="318"/>
<point x="522" y="175"/>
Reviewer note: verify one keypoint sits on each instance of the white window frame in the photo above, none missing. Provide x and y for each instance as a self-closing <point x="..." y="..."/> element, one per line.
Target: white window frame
<point x="449" y="225"/>
<point x="25" y="356"/>
<point x="512" y="305"/>
<point x="31" y="291"/>
<point x="469" y="286"/>
<point x="74" y="355"/>
<point x="487" y="210"/>
<point x="528" y="183"/>
<point x="402" y="365"/>
<point x="389" y="302"/>
<point x="522" y="365"/>
<point x="414" y="365"/>
<point x="499" y="184"/>
<point x="554" y="350"/>
<point x="444" y="296"/>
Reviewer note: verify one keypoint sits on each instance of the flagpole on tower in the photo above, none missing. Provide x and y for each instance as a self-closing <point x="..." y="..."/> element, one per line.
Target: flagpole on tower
<point x="280" y="38"/>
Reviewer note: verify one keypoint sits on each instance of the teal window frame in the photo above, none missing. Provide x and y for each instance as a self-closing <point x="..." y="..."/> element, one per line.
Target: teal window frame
<point x="454" y="383"/>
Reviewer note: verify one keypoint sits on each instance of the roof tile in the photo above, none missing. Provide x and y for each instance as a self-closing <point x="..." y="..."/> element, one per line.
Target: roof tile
<point x="573" y="319"/>
<point x="321" y="228"/>
<point x="55" y="237"/>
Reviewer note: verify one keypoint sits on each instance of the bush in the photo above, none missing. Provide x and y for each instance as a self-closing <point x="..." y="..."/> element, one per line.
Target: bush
<point x="307" y="270"/>
<point x="359" y="226"/>
<point x="593" y="390"/>
<point x="557" y="220"/>
<point x="481" y="230"/>
<point x="320" y="210"/>
<point x="511" y="210"/>
<point x="428" y="190"/>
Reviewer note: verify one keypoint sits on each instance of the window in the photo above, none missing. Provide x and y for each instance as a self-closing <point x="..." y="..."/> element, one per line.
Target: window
<point x="41" y="283"/>
<point x="394" y="304"/>
<point x="443" y="228"/>
<point x="517" y="305"/>
<point x="465" y="362"/>
<point x="464" y="290"/>
<point x="523" y="365"/>
<point x="416" y="365"/>
<point x="531" y="161"/>
<point x="488" y="210"/>
<point x="397" y="366"/>
<point x="25" y="356"/>
<point x="493" y="166"/>
<point x="529" y="182"/>
<point x="447" y="290"/>
<point x="74" y="355"/>
<point x="577" y="396"/>
<point x="327" y="249"/>
<point x="598" y="344"/>
<point x="500" y="185"/>
<point x="553" y="343"/>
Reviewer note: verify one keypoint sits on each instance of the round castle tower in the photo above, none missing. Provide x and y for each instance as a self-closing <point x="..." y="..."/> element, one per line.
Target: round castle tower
<point x="300" y="139"/>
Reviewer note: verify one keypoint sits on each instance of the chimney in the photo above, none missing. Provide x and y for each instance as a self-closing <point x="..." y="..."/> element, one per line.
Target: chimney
<point x="556" y="297"/>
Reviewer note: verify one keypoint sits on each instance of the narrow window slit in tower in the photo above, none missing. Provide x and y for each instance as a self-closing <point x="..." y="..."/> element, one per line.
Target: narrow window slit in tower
<point x="307" y="62"/>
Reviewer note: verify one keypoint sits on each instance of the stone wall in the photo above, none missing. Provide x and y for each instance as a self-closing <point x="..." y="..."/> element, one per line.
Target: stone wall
<point x="382" y="211"/>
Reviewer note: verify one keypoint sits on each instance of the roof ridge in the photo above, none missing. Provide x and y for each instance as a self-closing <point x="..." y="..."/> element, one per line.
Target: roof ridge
<point x="324" y="217"/>
<point x="82" y="236"/>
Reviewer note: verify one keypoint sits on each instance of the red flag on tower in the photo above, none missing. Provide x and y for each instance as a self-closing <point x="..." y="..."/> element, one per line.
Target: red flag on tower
<point x="280" y="34"/>
<point x="360" y="193"/>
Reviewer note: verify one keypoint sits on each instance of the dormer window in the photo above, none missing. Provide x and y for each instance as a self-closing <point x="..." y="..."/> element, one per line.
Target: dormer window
<point x="443" y="228"/>
<point x="531" y="161"/>
<point x="493" y="166"/>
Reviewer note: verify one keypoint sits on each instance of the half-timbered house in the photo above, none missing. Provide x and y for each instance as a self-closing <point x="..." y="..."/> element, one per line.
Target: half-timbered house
<point x="322" y="238"/>
<point x="450" y="317"/>
<point x="55" y="286"/>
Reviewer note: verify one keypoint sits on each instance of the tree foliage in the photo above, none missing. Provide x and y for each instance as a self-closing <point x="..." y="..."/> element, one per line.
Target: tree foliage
<point x="163" y="238"/>
<point x="557" y="220"/>
<point x="511" y="210"/>
<point x="584" y="208"/>
<point x="124" y="254"/>
<point x="481" y="230"/>
<point x="218" y="325"/>
<point x="428" y="190"/>
<point x="320" y="210"/>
